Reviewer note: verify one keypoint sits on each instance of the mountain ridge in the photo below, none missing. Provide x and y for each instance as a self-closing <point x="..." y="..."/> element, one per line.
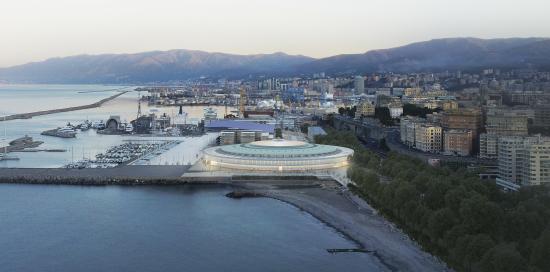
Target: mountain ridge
<point x="180" y="64"/>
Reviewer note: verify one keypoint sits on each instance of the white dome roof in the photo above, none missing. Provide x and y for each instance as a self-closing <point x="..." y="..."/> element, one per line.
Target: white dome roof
<point x="278" y="143"/>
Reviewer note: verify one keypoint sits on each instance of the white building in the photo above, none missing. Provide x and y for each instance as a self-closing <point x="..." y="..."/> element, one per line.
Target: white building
<point x="396" y="111"/>
<point x="523" y="161"/>
<point x="359" y="84"/>
<point x="408" y="126"/>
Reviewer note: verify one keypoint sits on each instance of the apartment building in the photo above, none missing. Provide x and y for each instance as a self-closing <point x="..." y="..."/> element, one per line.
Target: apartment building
<point x="523" y="161"/>
<point x="428" y="138"/>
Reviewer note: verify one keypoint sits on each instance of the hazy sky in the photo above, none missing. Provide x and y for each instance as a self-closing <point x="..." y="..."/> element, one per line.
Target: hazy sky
<point x="32" y="30"/>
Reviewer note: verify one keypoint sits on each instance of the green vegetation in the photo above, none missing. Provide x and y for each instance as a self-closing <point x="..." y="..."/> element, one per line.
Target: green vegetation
<point x="347" y="111"/>
<point x="414" y="110"/>
<point x="383" y="115"/>
<point x="467" y="222"/>
<point x="380" y="113"/>
<point x="278" y="133"/>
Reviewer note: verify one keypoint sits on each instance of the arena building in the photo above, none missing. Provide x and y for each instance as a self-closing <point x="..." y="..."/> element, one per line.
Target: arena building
<point x="277" y="156"/>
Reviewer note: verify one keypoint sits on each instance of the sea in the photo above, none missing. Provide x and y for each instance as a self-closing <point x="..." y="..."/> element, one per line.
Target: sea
<point x="177" y="228"/>
<point x="143" y="228"/>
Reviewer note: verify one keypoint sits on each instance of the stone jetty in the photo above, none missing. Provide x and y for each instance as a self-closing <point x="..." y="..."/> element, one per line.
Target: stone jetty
<point x="45" y="112"/>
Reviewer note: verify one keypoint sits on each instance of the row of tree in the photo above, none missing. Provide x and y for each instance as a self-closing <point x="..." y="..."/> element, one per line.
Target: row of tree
<point x="380" y="113"/>
<point x="467" y="222"/>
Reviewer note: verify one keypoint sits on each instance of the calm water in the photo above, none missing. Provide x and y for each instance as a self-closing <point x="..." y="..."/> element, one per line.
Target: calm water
<point x="29" y="98"/>
<point x="71" y="228"/>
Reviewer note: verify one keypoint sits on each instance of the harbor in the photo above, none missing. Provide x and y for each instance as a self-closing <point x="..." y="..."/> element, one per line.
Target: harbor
<point x="80" y="135"/>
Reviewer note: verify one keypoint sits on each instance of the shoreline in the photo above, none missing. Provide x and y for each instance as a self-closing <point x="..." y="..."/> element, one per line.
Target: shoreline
<point x="30" y="115"/>
<point x="342" y="211"/>
<point x="359" y="223"/>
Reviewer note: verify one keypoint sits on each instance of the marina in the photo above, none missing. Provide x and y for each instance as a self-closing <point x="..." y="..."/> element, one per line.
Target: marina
<point x="59" y="151"/>
<point x="124" y="154"/>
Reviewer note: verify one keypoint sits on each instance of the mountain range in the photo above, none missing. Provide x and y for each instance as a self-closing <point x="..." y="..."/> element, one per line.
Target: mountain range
<point x="180" y="64"/>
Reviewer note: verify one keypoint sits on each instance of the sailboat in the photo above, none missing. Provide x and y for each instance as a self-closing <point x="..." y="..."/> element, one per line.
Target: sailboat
<point x="4" y="156"/>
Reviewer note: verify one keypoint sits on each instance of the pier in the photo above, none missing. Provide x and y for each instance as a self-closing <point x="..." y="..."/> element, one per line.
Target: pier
<point x="46" y="112"/>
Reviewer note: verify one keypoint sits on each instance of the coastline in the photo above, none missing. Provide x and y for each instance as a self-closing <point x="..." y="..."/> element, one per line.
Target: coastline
<point x="360" y="223"/>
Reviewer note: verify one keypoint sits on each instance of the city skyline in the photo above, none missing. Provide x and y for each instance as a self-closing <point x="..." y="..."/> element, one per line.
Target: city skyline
<point x="40" y="30"/>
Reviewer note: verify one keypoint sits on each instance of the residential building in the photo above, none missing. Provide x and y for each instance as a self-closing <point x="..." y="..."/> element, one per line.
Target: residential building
<point x="542" y="116"/>
<point x="408" y="126"/>
<point x="502" y="121"/>
<point x="428" y="138"/>
<point x="457" y="142"/>
<point x="464" y="119"/>
<point x="293" y="95"/>
<point x="523" y="161"/>
<point x="366" y="108"/>
<point x="448" y="105"/>
<point x="488" y="146"/>
<point x="396" y="110"/>
<point x="359" y="84"/>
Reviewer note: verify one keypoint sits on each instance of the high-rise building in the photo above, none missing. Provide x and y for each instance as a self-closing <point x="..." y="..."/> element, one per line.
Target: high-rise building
<point x="359" y="84"/>
<point x="523" y="161"/>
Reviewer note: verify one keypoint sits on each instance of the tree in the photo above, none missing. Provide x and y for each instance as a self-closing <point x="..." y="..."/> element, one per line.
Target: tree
<point x="541" y="249"/>
<point x="439" y="222"/>
<point x="414" y="110"/>
<point x="383" y="115"/>
<point x="503" y="258"/>
<point x="278" y="133"/>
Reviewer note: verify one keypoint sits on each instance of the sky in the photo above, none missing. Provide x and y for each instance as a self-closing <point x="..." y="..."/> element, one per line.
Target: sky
<point x="34" y="30"/>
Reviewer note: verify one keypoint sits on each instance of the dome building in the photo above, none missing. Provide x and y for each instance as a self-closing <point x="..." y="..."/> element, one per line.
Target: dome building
<point x="277" y="156"/>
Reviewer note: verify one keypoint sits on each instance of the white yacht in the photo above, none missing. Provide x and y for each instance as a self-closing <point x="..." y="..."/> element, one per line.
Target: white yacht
<point x="210" y="114"/>
<point x="129" y="127"/>
<point x="4" y="142"/>
<point x="67" y="131"/>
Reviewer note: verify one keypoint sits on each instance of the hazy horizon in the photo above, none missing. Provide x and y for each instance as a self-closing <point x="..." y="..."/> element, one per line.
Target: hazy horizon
<point x="38" y="30"/>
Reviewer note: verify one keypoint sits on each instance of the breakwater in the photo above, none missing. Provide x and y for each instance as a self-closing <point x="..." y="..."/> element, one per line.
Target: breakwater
<point x="149" y="175"/>
<point x="45" y="112"/>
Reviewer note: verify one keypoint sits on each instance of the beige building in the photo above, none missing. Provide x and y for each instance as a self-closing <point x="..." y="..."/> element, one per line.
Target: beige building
<point x="457" y="142"/>
<point x="464" y="118"/>
<point x="449" y="105"/>
<point x="411" y="91"/>
<point x="428" y="138"/>
<point x="502" y="121"/>
<point x="366" y="109"/>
